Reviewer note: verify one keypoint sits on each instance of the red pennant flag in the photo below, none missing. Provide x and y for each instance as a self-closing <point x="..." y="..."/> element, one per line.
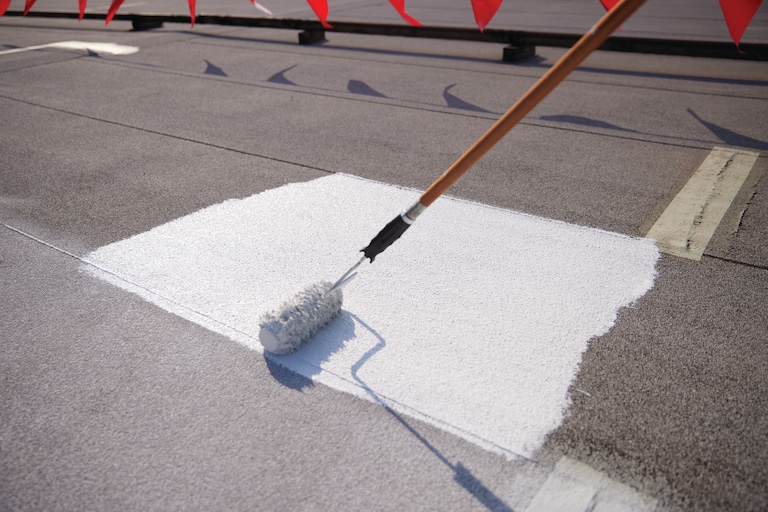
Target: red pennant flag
<point x="192" y="11"/>
<point x="28" y="5"/>
<point x="738" y="14"/>
<point x="113" y="10"/>
<point x="399" y="6"/>
<point x="4" y="4"/>
<point x="321" y="11"/>
<point x="484" y="10"/>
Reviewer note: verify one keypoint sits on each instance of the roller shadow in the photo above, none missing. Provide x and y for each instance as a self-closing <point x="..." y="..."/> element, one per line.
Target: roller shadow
<point x="295" y="370"/>
<point x="285" y="376"/>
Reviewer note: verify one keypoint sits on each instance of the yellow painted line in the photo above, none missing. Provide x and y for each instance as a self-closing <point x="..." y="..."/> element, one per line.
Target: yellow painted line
<point x="690" y="220"/>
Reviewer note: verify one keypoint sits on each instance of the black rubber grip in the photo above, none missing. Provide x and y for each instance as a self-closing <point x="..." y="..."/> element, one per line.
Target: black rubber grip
<point x="386" y="237"/>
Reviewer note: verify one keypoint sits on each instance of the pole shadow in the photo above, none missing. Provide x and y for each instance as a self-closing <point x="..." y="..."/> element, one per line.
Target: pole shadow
<point x="462" y="475"/>
<point x="333" y="338"/>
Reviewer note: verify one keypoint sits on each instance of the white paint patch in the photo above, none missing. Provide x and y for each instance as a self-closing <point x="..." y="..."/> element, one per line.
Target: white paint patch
<point x="474" y="321"/>
<point x="97" y="48"/>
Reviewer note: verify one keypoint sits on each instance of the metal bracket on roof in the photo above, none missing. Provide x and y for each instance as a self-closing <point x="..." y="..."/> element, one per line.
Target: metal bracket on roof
<point x="310" y="36"/>
<point x="518" y="52"/>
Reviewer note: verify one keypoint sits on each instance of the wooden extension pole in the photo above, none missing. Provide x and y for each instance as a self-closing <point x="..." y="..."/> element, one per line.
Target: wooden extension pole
<point x="575" y="56"/>
<point x="588" y="43"/>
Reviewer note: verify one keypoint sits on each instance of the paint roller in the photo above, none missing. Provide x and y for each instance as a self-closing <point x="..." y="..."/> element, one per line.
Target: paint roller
<point x="294" y="322"/>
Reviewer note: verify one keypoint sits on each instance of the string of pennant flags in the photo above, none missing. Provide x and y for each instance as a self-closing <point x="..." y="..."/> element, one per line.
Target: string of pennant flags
<point x="737" y="13"/>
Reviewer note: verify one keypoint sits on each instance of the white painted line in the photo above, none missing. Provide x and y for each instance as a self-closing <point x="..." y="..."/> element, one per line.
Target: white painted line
<point x="98" y="48"/>
<point x="576" y="487"/>
<point x="474" y="321"/>
<point x="690" y="220"/>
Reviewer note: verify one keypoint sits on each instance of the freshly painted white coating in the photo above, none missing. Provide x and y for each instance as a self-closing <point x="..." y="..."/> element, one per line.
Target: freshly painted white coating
<point x="98" y="48"/>
<point x="475" y="320"/>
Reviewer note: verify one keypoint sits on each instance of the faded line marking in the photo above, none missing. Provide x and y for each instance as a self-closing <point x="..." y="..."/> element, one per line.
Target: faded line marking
<point x="98" y="48"/>
<point x="690" y="220"/>
<point x="576" y="487"/>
